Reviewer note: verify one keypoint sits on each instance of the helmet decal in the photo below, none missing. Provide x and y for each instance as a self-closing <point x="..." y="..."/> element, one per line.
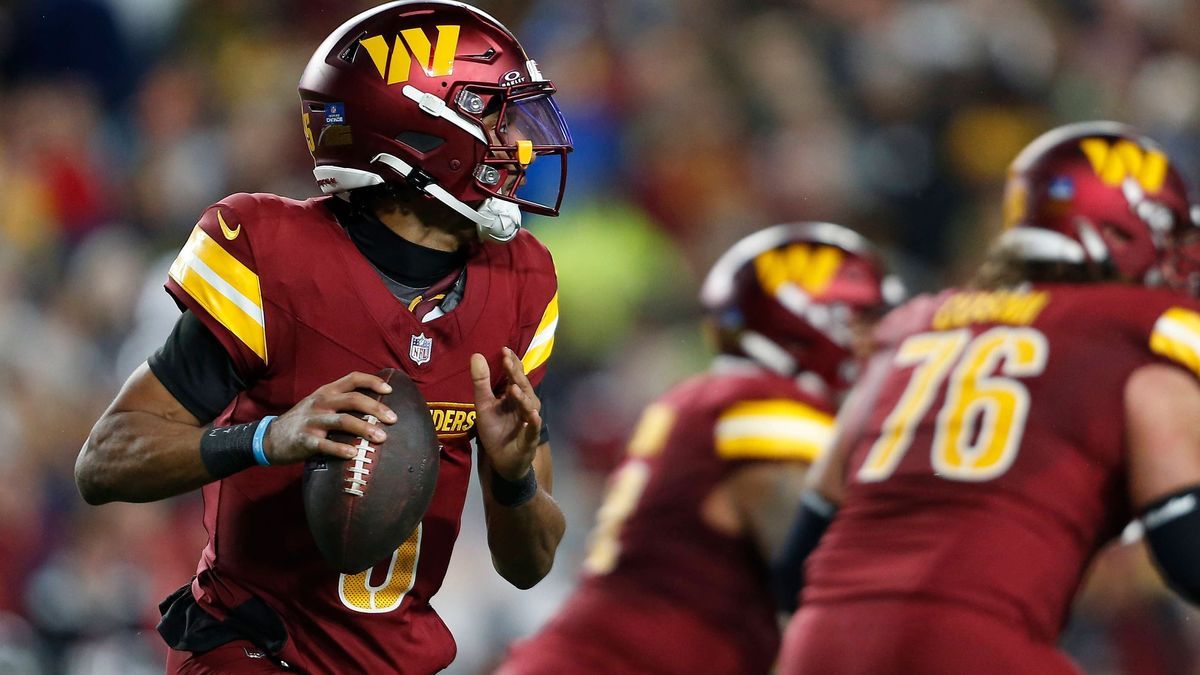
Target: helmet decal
<point x="812" y="268"/>
<point x="413" y="41"/>
<point x="1116" y="162"/>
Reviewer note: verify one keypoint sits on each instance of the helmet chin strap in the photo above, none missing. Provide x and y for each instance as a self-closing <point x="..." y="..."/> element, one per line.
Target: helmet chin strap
<point x="764" y="350"/>
<point x="505" y="219"/>
<point x="766" y="353"/>
<point x="497" y="219"/>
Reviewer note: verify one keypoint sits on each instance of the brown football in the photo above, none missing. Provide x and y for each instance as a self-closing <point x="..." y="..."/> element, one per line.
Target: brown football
<point x="360" y="510"/>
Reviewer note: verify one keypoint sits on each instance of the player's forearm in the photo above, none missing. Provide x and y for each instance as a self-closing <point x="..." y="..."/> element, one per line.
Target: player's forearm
<point x="135" y="456"/>
<point x="524" y="539"/>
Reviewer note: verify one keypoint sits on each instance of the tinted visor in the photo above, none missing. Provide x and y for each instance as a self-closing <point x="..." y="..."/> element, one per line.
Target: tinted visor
<point x="536" y="119"/>
<point x="532" y="155"/>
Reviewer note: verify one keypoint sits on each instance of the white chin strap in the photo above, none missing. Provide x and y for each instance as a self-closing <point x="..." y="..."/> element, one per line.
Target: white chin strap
<point x="764" y="350"/>
<point x="502" y="219"/>
<point x="497" y="219"/>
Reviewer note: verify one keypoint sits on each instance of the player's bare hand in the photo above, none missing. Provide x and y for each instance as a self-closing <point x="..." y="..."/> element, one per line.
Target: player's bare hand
<point x="304" y="430"/>
<point x="510" y="424"/>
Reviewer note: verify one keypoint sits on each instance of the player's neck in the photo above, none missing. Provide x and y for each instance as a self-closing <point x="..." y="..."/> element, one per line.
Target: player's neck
<point x="409" y="226"/>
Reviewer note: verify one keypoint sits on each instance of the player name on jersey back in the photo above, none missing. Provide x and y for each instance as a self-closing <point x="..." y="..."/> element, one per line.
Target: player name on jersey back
<point x="1014" y="308"/>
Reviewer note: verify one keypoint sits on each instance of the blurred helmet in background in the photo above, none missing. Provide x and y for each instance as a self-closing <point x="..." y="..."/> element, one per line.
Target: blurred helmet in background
<point x="440" y="96"/>
<point x="1100" y="194"/>
<point x="795" y="298"/>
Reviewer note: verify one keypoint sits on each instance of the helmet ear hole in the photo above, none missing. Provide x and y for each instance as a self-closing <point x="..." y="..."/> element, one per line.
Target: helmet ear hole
<point x="420" y="142"/>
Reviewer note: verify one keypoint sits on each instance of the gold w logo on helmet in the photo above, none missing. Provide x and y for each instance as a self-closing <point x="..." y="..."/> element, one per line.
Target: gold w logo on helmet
<point x="810" y="267"/>
<point x="1114" y="162"/>
<point x="435" y="61"/>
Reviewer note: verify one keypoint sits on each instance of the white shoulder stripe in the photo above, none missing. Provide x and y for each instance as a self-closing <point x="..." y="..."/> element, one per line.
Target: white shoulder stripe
<point x="774" y="426"/>
<point x="544" y="335"/>
<point x="1177" y="330"/>
<point x="189" y="257"/>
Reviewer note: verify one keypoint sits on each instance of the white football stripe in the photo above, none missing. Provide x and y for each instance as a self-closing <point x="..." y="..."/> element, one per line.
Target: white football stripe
<point x="774" y="426"/>
<point x="192" y="260"/>
<point x="1179" y="332"/>
<point x="543" y="336"/>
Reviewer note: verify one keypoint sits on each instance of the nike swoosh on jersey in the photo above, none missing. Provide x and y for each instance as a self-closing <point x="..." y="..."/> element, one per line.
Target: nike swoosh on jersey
<point x="229" y="234"/>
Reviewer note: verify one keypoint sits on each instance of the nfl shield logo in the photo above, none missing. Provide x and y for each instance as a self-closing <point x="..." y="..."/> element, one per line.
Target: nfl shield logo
<point x="420" y="349"/>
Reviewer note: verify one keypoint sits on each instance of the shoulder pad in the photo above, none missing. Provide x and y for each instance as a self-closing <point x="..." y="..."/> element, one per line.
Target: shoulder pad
<point x="1176" y="337"/>
<point x="773" y="429"/>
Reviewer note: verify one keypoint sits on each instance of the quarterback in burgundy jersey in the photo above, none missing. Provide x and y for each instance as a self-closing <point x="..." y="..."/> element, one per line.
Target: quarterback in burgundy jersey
<point x="1005" y="432"/>
<point x="677" y="576"/>
<point x="422" y="118"/>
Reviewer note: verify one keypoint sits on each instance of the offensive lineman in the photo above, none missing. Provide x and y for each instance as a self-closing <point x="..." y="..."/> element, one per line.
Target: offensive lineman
<point x="1005" y="432"/>
<point x="422" y="118"/>
<point x="677" y="580"/>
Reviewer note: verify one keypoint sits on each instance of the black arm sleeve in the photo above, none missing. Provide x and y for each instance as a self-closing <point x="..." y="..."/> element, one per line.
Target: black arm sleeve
<point x="196" y="369"/>
<point x="1173" y="534"/>
<point x="544" y="437"/>
<point x="787" y="571"/>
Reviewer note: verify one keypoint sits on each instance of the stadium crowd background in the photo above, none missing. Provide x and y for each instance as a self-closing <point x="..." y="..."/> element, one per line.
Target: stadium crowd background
<point x="695" y="121"/>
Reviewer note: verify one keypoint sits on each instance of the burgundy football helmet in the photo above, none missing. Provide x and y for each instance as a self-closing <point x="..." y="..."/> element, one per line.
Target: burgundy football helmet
<point x="438" y="95"/>
<point x="789" y="296"/>
<point x="1100" y="193"/>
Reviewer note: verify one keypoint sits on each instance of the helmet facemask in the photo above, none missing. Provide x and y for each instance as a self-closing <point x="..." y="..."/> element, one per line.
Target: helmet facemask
<point x="522" y="124"/>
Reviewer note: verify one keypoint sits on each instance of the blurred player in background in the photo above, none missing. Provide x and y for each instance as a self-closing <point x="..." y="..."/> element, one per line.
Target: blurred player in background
<point x="677" y="579"/>
<point x="1005" y="432"/>
<point x="422" y="118"/>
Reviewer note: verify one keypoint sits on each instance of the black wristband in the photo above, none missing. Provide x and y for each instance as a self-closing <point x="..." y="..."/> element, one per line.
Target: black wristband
<point x="1171" y="524"/>
<point x="227" y="450"/>
<point x="514" y="493"/>
<point x="787" y="570"/>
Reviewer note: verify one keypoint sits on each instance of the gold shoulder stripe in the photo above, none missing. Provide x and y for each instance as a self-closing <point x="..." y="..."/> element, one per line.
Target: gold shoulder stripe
<point x="780" y="429"/>
<point x="543" y="338"/>
<point x="224" y="287"/>
<point x="1176" y="336"/>
<point x="650" y="434"/>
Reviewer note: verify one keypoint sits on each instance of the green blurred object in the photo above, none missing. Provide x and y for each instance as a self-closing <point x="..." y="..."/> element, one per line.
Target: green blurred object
<point x="615" y="268"/>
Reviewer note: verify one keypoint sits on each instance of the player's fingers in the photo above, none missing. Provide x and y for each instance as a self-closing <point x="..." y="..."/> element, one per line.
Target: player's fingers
<point x="527" y="404"/>
<point x="359" y="402"/>
<point x="516" y="375"/>
<point x="532" y="431"/>
<point x="351" y="425"/>
<point x="359" y="380"/>
<point x="307" y="445"/>
<point x="481" y="379"/>
<point x="333" y="448"/>
<point x="516" y="371"/>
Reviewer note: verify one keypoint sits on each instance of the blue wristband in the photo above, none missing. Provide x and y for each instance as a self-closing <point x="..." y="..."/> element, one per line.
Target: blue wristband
<point x="260" y="455"/>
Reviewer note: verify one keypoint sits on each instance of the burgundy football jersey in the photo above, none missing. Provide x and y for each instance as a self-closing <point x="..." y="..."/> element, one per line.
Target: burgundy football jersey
<point x="662" y="590"/>
<point x="991" y="465"/>
<point x="297" y="306"/>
